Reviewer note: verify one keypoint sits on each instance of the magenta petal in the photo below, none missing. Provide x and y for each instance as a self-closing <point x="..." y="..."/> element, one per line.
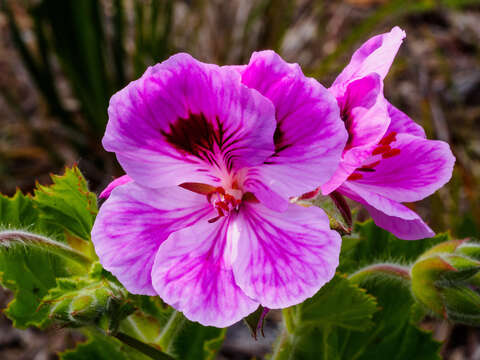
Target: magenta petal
<point x="186" y="121"/>
<point x="419" y="169"/>
<point x="192" y="273"/>
<point x="364" y="110"/>
<point x="401" y="123"/>
<point x="132" y="224"/>
<point x="405" y="224"/>
<point x="375" y="55"/>
<point x="283" y="257"/>
<point x="310" y="135"/>
<point x="388" y="214"/>
<point x="125" y="179"/>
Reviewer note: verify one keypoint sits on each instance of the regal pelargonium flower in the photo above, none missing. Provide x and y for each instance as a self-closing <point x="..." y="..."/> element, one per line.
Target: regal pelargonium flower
<point x="387" y="159"/>
<point x="214" y="153"/>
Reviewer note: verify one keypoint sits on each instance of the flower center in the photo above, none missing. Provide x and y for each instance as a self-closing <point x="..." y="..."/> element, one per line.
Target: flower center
<point x="224" y="199"/>
<point x="383" y="150"/>
<point x="224" y="202"/>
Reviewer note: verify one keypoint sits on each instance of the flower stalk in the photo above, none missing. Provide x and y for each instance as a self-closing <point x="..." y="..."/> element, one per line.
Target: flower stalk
<point x="145" y="349"/>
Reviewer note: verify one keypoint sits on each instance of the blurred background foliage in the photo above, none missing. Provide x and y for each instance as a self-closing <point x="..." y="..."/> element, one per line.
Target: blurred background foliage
<point x="61" y="60"/>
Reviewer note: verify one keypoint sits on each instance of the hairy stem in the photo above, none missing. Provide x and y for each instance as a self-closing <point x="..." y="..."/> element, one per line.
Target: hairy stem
<point x="146" y="349"/>
<point x="18" y="237"/>
<point x="398" y="271"/>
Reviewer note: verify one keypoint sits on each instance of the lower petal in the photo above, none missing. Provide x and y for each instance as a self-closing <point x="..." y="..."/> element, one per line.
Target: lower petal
<point x="388" y="214"/>
<point x="417" y="170"/>
<point x="283" y="258"/>
<point x="406" y="224"/>
<point x="192" y="273"/>
<point x="132" y="224"/>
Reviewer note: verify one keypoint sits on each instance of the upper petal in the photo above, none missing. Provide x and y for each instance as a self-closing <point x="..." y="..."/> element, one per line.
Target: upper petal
<point x="192" y="273"/>
<point x="414" y="169"/>
<point x="184" y="120"/>
<point x="401" y="123"/>
<point x="388" y="214"/>
<point x="132" y="224"/>
<point x="310" y="135"/>
<point x="375" y="55"/>
<point x="283" y="258"/>
<point x="364" y="110"/>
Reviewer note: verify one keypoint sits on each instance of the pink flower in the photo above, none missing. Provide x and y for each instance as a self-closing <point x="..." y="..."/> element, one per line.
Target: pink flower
<point x="214" y="154"/>
<point x="387" y="159"/>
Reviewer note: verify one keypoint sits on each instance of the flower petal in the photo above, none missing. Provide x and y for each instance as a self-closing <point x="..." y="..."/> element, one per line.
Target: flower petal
<point x="183" y="121"/>
<point x="132" y="224"/>
<point x="388" y="214"/>
<point x="310" y="135"/>
<point x="401" y="123"/>
<point x="283" y="257"/>
<point x="125" y="179"/>
<point x="405" y="224"/>
<point x="416" y="169"/>
<point x="192" y="273"/>
<point x="364" y="110"/>
<point x="375" y="55"/>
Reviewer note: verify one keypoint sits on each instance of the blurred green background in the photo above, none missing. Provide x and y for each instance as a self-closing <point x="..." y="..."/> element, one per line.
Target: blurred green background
<point x="61" y="60"/>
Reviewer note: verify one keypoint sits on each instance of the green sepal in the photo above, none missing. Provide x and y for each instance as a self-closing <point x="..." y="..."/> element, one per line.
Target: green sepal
<point x="255" y="321"/>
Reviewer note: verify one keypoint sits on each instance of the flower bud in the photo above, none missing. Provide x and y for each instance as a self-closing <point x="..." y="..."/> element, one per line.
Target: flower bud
<point x="446" y="280"/>
<point x="86" y="301"/>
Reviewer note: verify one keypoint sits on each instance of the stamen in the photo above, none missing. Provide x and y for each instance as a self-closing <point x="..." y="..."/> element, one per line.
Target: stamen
<point x="223" y="202"/>
<point x="215" y="219"/>
<point x="222" y="205"/>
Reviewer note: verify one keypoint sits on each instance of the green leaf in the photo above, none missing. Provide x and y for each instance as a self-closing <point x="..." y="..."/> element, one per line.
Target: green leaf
<point x="59" y="212"/>
<point x="68" y="203"/>
<point x="28" y="272"/>
<point x="198" y="342"/>
<point x="315" y="324"/>
<point x="340" y="304"/>
<point x="394" y="336"/>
